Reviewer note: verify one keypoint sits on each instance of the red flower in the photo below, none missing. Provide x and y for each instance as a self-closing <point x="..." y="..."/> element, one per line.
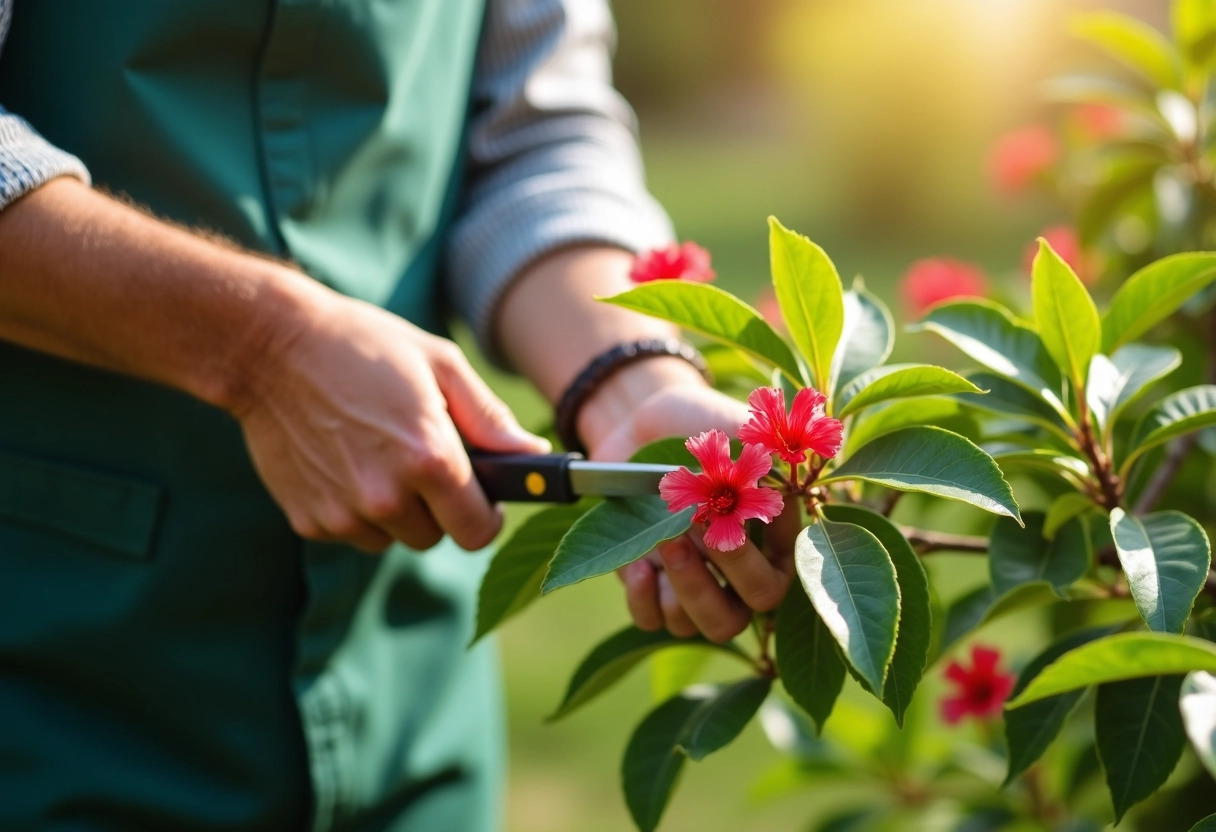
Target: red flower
<point x="982" y="690"/>
<point x="1099" y="121"/>
<point x="675" y="262"/>
<point x="1064" y="242"/>
<point x="725" y="493"/>
<point x="1020" y="157"/>
<point x="806" y="428"/>
<point x="936" y="279"/>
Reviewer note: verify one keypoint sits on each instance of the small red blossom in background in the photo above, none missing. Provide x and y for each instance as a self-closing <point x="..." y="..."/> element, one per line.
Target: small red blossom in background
<point x="981" y="689"/>
<point x="790" y="436"/>
<point x="725" y="493"/>
<point x="1022" y="156"/>
<point x="1098" y="122"/>
<point x="1065" y="242"/>
<point x="936" y="279"/>
<point x="675" y="262"/>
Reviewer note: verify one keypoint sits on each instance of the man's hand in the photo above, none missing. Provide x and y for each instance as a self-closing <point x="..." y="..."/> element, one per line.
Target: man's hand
<point x="356" y="426"/>
<point x="684" y="585"/>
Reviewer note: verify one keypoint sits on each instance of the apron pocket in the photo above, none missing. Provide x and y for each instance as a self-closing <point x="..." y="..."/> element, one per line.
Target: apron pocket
<point x="108" y="511"/>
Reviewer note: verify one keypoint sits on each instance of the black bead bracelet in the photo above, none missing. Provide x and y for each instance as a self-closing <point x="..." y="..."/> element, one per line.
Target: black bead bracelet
<point x="604" y="365"/>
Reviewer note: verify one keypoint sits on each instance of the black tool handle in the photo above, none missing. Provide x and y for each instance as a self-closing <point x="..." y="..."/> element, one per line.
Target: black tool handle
<point x="524" y="478"/>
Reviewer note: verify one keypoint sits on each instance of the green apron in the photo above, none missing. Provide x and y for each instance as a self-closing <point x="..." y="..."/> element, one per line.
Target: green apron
<point x="172" y="657"/>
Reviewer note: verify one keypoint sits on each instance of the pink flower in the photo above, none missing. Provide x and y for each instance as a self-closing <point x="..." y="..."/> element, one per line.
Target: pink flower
<point x="982" y="690"/>
<point x="1098" y="122"/>
<point x="805" y="428"/>
<point x="725" y="493"/>
<point x="1022" y="156"/>
<point x="935" y="279"/>
<point x="1065" y="242"/>
<point x="675" y="262"/>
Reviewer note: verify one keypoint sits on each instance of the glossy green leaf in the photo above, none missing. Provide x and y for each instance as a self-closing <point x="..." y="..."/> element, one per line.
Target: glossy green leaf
<point x="851" y="582"/>
<point x="933" y="461"/>
<point x="1064" y="314"/>
<point x="1119" y="657"/>
<point x="612" y="658"/>
<point x="1073" y="469"/>
<point x="1154" y="293"/>
<point x="1133" y="43"/>
<point x="1166" y="556"/>
<point x="899" y="414"/>
<point x="1029" y="730"/>
<point x="703" y="718"/>
<point x="1208" y="824"/>
<point x="1006" y="398"/>
<point x="867" y="336"/>
<point x="899" y="381"/>
<point x="699" y="307"/>
<point x="1197" y="702"/>
<point x="1177" y="414"/>
<point x="811" y="298"/>
<point x="915" y="617"/>
<point x="731" y="364"/>
<point x="675" y="668"/>
<point x="1019" y="555"/>
<point x="1065" y="508"/>
<point x="1139" y="736"/>
<point x="1116" y="382"/>
<point x="812" y="670"/>
<point x="720" y="719"/>
<point x="987" y="333"/>
<point x="513" y="579"/>
<point x="613" y="533"/>
<point x="982" y="605"/>
<point x="1195" y="30"/>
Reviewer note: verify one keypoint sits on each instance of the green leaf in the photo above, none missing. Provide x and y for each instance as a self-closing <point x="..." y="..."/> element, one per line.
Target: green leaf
<point x="866" y="338"/>
<point x="655" y="753"/>
<point x="1139" y="736"/>
<point x="726" y="362"/>
<point x="915" y="619"/>
<point x="1195" y="30"/>
<point x="933" y="461"/>
<point x="1197" y="703"/>
<point x="811" y="298"/>
<point x="614" y="533"/>
<point x="1116" y="382"/>
<point x="1030" y="730"/>
<point x="1008" y="399"/>
<point x="699" y="307"/>
<point x="617" y="655"/>
<point x="989" y="334"/>
<point x="1019" y="555"/>
<point x="982" y="605"/>
<point x="1208" y="824"/>
<point x="899" y="381"/>
<point x="1120" y="185"/>
<point x="1087" y="88"/>
<point x="1133" y="43"/>
<point x="1073" y="469"/>
<point x="1064" y="508"/>
<point x="812" y="670"/>
<point x="668" y="451"/>
<point x="720" y="720"/>
<point x="1119" y="657"/>
<point x="675" y="668"/>
<point x="513" y="579"/>
<point x="1154" y="293"/>
<point x="900" y="414"/>
<point x="1065" y="314"/>
<point x="1178" y="413"/>
<point x="1166" y="556"/>
<point x="850" y="580"/>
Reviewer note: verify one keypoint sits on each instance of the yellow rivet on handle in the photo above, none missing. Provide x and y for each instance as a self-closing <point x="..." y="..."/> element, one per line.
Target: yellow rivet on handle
<point x="535" y="483"/>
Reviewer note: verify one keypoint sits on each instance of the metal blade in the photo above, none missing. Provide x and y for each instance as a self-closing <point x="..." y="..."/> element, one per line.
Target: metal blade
<point x="617" y="479"/>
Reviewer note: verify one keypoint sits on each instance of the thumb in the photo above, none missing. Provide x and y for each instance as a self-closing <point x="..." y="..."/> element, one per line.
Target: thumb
<point x="483" y="419"/>
<point x="781" y="534"/>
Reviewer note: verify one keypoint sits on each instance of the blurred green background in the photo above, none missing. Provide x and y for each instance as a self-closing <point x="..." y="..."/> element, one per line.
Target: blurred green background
<point x="866" y="125"/>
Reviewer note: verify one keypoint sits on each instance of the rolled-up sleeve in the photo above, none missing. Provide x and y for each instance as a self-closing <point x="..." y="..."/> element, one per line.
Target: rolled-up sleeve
<point x="26" y="159"/>
<point x="553" y="158"/>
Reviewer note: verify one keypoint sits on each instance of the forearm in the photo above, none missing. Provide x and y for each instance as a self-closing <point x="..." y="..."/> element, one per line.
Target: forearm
<point x="84" y="277"/>
<point x="550" y="326"/>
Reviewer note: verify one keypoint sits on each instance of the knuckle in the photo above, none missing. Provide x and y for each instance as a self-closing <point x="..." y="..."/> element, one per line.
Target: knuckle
<point x="382" y="503"/>
<point x="427" y="465"/>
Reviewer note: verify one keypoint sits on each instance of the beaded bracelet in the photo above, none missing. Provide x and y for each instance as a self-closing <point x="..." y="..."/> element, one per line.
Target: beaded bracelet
<point x="603" y="366"/>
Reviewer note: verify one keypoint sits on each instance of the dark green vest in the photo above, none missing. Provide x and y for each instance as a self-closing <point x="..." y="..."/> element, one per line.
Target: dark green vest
<point x="172" y="657"/>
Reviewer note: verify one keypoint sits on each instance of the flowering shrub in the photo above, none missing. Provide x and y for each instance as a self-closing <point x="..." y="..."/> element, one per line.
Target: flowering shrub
<point x="1092" y="424"/>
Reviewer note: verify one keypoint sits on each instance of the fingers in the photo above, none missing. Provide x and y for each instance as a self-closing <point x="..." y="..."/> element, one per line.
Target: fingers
<point x="759" y="582"/>
<point x="642" y="594"/>
<point x="692" y="599"/>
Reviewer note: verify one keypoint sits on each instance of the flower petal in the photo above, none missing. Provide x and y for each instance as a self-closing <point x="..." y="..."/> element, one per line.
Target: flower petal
<point x="682" y="488"/>
<point x="725" y="532"/>
<point x="759" y="504"/>
<point x="712" y="450"/>
<point x="754" y="463"/>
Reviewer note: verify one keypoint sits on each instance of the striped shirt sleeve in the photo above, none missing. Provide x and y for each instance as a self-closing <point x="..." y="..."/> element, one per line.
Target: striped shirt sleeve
<point x="553" y="157"/>
<point x="26" y="159"/>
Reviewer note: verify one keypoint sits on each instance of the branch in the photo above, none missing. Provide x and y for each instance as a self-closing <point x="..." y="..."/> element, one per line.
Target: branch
<point x="926" y="542"/>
